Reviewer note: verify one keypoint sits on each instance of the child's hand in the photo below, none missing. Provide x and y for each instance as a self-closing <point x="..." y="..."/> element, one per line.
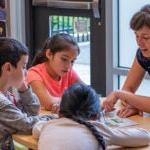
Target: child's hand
<point x="23" y="87"/>
<point x="55" y="108"/>
<point x="55" y="104"/>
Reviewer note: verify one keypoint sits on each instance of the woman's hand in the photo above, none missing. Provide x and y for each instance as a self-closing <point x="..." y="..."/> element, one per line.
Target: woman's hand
<point x="109" y="102"/>
<point x="127" y="111"/>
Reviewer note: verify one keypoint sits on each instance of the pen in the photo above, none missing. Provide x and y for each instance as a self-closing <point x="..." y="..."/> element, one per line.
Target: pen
<point x="103" y="115"/>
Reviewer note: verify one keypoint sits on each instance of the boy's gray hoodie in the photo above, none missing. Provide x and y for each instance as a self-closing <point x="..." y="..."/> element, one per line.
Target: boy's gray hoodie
<point x="19" y="117"/>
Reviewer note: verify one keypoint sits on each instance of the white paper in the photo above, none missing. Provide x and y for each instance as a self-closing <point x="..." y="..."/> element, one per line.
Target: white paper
<point x="111" y="119"/>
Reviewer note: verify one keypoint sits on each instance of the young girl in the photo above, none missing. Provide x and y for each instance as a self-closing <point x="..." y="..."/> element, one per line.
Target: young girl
<point x="15" y="116"/>
<point x="74" y="130"/>
<point x="53" y="72"/>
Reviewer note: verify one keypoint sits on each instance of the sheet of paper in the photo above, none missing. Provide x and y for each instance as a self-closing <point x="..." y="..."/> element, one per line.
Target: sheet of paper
<point x="120" y="122"/>
<point x="111" y="119"/>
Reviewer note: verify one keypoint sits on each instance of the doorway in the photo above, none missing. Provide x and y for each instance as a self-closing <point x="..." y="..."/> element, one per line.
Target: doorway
<point x="44" y="18"/>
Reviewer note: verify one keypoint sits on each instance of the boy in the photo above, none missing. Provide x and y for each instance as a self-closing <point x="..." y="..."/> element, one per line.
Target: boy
<point x="15" y="116"/>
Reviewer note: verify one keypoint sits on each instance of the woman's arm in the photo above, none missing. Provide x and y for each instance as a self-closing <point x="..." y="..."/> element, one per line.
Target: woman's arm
<point x="140" y="102"/>
<point x="131" y="84"/>
<point x="134" y="77"/>
<point x="133" y="81"/>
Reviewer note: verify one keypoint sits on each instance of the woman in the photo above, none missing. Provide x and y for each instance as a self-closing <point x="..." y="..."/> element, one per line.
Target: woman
<point x="140" y="24"/>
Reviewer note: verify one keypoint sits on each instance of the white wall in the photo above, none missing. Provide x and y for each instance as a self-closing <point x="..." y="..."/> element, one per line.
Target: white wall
<point x="16" y="15"/>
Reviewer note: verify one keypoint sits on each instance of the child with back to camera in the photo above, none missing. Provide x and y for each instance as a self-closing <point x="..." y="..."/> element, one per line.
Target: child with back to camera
<point x="52" y="70"/>
<point x="77" y="128"/>
<point x="16" y="116"/>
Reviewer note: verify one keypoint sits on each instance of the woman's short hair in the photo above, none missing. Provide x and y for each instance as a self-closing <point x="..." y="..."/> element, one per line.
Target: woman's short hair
<point x="141" y="18"/>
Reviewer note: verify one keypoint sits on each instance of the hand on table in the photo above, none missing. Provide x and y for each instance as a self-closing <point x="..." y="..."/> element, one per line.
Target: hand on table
<point x="109" y="102"/>
<point x="127" y="111"/>
<point x="55" y="108"/>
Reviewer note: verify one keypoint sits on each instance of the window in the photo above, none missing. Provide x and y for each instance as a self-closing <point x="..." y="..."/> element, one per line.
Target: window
<point x="79" y="28"/>
<point x="144" y="87"/>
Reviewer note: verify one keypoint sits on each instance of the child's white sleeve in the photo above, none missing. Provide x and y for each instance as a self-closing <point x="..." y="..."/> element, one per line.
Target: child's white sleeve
<point x="127" y="137"/>
<point x="131" y="137"/>
<point x="37" y="128"/>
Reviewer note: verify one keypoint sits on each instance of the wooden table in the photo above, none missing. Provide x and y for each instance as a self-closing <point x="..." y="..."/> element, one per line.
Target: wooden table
<point x="30" y="142"/>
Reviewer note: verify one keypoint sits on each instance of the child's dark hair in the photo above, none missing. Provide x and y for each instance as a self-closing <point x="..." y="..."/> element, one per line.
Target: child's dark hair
<point x="11" y="51"/>
<point x="141" y="18"/>
<point x="81" y="103"/>
<point x="56" y="43"/>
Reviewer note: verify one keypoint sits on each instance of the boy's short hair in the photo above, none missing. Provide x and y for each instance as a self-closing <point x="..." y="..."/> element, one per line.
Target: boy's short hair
<point x="11" y="51"/>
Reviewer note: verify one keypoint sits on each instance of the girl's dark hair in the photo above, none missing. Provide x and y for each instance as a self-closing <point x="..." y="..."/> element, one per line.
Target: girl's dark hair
<point x="57" y="43"/>
<point x="11" y="51"/>
<point x="81" y="103"/>
<point x="141" y="18"/>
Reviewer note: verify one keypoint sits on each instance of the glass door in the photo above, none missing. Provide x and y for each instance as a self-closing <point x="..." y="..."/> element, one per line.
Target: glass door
<point x="86" y="22"/>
